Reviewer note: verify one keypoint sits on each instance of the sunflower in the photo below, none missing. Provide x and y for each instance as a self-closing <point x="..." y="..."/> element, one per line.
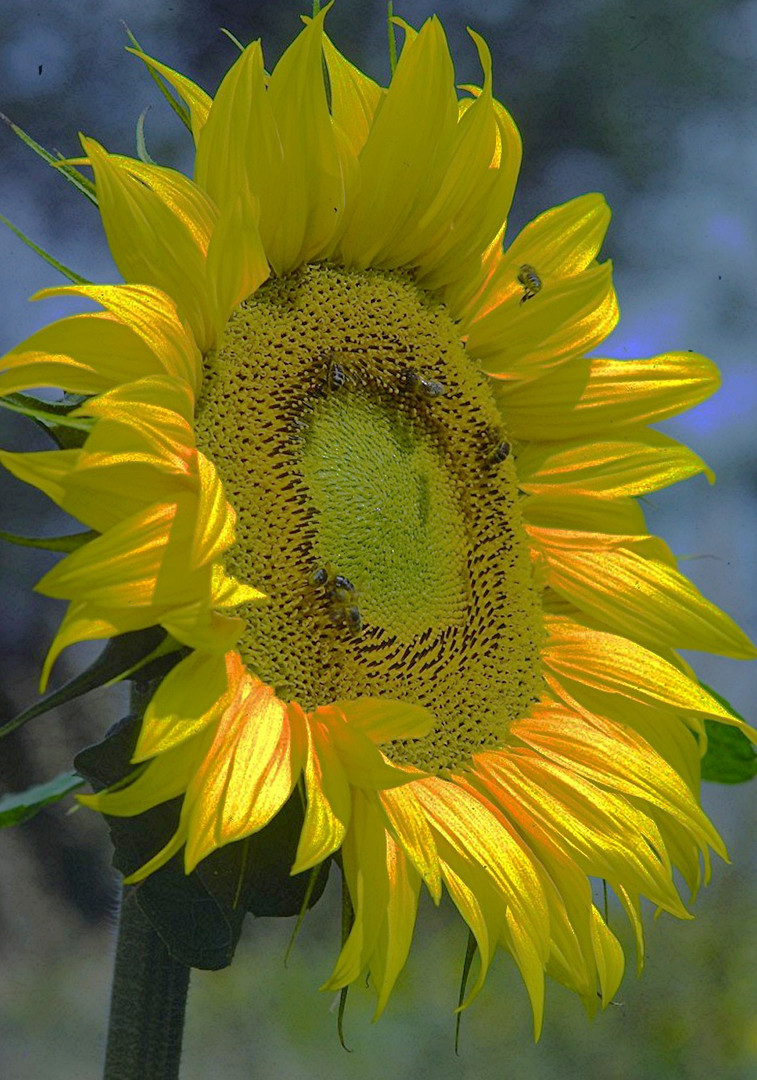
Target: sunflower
<point x="347" y="448"/>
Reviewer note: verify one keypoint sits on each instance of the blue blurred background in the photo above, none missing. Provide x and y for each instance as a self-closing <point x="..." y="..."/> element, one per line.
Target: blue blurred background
<point x="654" y="105"/>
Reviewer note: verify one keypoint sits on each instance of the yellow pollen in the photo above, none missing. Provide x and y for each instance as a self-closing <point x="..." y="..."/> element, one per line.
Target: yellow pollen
<point x="377" y="505"/>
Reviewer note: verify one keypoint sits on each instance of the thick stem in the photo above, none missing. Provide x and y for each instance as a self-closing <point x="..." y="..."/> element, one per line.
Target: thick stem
<point x="149" y="994"/>
<point x="147" y="1003"/>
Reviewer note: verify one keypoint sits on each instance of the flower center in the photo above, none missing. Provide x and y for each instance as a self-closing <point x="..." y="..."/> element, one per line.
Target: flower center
<point x="376" y="504"/>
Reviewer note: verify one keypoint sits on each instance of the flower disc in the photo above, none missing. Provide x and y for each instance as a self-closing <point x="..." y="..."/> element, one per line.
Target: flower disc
<point x="355" y="439"/>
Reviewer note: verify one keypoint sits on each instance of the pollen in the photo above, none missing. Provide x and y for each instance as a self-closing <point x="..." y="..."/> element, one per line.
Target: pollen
<point x="377" y="505"/>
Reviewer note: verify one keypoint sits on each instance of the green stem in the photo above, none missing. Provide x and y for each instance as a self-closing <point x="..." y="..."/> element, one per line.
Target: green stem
<point x="147" y="1002"/>
<point x="149" y="994"/>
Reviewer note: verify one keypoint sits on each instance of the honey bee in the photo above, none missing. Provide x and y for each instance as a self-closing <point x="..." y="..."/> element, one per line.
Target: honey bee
<point x="336" y="376"/>
<point x="431" y="388"/>
<point x="354" y="620"/>
<point x="530" y="281"/>
<point x="413" y="383"/>
<point x="497" y="454"/>
<point x="342" y="597"/>
<point x="342" y="588"/>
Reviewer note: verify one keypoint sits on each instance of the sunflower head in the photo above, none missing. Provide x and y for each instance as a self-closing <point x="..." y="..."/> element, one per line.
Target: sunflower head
<point x="347" y="449"/>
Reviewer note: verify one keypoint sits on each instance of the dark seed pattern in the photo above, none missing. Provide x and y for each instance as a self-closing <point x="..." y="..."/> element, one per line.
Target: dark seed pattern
<point x="479" y="672"/>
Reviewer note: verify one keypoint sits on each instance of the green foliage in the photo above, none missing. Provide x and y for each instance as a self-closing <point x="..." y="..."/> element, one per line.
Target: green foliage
<point x="120" y="658"/>
<point x="730" y="757"/>
<point x="67" y="543"/>
<point x="53" y="417"/>
<point x="22" y="805"/>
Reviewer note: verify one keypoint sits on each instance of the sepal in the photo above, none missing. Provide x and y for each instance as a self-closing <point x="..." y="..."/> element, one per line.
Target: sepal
<point x="54" y="417"/>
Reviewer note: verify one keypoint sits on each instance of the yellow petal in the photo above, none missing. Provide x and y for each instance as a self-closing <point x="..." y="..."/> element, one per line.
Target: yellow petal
<point x="214" y="526"/>
<point x="313" y="186"/>
<point x="141" y="562"/>
<point x="396" y="933"/>
<point x="414" y="835"/>
<point x="559" y="243"/>
<point x="158" y="413"/>
<point x="600" y="830"/>
<point x="614" y="664"/>
<point x="522" y="341"/>
<point x="43" y="469"/>
<point x="610" y="960"/>
<point x="84" y="354"/>
<point x="227" y="592"/>
<point x="639" y="597"/>
<point x="609" y="754"/>
<point x="354" y="97"/>
<point x="185" y="200"/>
<point x="365" y="867"/>
<point x="384" y="719"/>
<point x="198" y="626"/>
<point x="329" y="804"/>
<point x="584" y="514"/>
<point x="156" y="234"/>
<point x="153" y="316"/>
<point x="458" y="219"/>
<point x="403" y="161"/>
<point x="479" y="904"/>
<point x="84" y="621"/>
<point x="237" y="264"/>
<point x="247" y="774"/>
<point x="481" y="836"/>
<point x="679" y="738"/>
<point x="641" y="461"/>
<point x="239" y="150"/>
<point x="158" y="781"/>
<point x="590" y="396"/>
<point x="479" y="218"/>
<point x="105" y="488"/>
<point x="364" y="764"/>
<point x="193" y="695"/>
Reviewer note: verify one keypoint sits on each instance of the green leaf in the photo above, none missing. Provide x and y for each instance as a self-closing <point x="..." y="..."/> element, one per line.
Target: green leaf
<point x="53" y="413"/>
<point x="72" y="174"/>
<point x="162" y="85"/>
<point x="51" y="543"/>
<point x="77" y="279"/>
<point x="68" y="432"/>
<point x="121" y="657"/>
<point x="730" y="757"/>
<point x="22" y="805"/>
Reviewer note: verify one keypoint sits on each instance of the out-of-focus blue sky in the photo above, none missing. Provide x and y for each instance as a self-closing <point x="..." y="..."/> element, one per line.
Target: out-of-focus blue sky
<point x="653" y="104"/>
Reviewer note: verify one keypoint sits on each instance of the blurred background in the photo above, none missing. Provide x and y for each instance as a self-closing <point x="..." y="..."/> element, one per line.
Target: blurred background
<point x="653" y="104"/>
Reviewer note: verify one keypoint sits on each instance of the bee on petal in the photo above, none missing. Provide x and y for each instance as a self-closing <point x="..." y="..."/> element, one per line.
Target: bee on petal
<point x="531" y="282"/>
